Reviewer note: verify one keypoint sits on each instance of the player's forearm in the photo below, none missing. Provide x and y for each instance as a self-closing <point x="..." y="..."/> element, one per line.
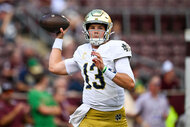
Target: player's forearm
<point x="55" y="58"/>
<point x="124" y="81"/>
<point x="121" y="79"/>
<point x="56" y="64"/>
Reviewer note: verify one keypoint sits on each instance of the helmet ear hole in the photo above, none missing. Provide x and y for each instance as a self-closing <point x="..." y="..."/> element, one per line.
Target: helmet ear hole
<point x="87" y="26"/>
<point x="105" y="26"/>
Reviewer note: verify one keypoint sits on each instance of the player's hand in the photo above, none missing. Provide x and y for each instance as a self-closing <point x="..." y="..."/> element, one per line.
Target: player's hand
<point x="97" y="60"/>
<point x="61" y="34"/>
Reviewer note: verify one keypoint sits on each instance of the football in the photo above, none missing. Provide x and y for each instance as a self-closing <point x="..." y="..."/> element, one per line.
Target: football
<point x="53" y="22"/>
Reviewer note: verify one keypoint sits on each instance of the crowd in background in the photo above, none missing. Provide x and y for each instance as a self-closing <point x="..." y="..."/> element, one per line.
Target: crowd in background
<point x="25" y="79"/>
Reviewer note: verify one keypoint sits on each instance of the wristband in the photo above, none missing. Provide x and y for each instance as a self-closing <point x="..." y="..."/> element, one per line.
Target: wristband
<point x="58" y="43"/>
<point x="105" y="67"/>
<point x="110" y="73"/>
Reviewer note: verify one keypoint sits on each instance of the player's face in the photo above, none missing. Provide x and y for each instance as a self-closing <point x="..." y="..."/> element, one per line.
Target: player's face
<point x="96" y="30"/>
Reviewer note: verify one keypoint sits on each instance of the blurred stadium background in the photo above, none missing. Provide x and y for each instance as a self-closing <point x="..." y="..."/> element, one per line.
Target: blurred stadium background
<point x="153" y="28"/>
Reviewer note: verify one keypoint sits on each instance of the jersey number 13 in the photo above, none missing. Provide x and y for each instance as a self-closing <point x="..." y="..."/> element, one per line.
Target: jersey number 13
<point x="98" y="76"/>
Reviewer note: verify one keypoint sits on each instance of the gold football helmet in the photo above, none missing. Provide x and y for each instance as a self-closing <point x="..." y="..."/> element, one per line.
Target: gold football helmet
<point x="101" y="17"/>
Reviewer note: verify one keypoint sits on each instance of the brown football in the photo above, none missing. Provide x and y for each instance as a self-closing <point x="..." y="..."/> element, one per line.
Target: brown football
<point x="53" y="22"/>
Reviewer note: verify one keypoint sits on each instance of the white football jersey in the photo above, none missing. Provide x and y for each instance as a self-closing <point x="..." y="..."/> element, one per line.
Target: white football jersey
<point x="100" y="92"/>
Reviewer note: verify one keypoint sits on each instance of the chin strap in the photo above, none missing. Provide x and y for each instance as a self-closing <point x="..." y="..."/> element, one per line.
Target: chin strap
<point x="96" y="41"/>
<point x="112" y="32"/>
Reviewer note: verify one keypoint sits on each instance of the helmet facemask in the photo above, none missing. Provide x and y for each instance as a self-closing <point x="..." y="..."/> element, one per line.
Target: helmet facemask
<point x="99" y="39"/>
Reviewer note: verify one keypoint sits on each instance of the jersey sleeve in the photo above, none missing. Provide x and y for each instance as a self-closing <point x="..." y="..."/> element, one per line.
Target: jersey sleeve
<point x="71" y="66"/>
<point x="123" y="66"/>
<point x="71" y="63"/>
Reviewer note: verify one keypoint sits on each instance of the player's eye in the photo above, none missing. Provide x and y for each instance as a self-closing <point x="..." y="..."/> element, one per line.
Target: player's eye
<point x="91" y="27"/>
<point x="101" y="27"/>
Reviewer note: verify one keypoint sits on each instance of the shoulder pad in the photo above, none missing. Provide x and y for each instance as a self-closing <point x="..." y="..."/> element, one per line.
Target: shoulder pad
<point x="115" y="49"/>
<point x="80" y="50"/>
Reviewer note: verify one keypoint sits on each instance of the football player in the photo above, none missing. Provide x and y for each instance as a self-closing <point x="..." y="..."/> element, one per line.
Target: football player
<point x="105" y="67"/>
